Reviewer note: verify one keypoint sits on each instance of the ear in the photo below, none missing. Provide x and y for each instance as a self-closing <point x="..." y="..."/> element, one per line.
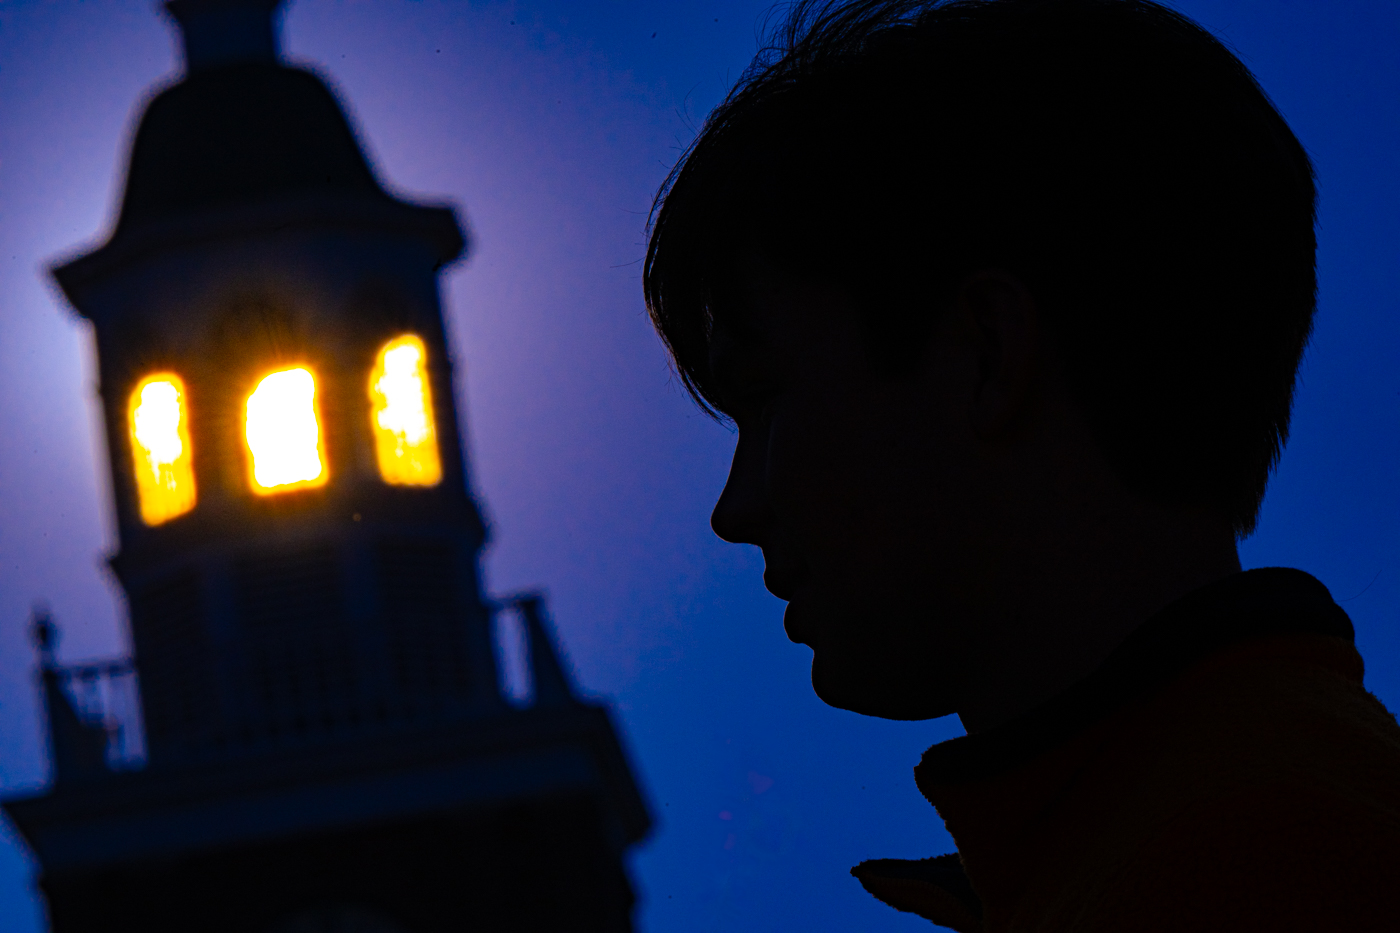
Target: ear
<point x="1001" y="320"/>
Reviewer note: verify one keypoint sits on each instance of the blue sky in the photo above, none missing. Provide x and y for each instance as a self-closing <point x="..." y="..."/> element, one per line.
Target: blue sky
<point x="550" y="125"/>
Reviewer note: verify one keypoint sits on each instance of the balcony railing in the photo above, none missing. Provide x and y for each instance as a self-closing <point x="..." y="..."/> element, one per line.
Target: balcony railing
<point x="94" y="710"/>
<point x="106" y="696"/>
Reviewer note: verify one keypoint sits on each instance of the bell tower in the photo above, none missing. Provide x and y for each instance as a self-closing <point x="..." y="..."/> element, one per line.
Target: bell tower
<point x="327" y="745"/>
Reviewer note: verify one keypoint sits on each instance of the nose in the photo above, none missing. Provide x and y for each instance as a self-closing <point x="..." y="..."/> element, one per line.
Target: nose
<point x="741" y="515"/>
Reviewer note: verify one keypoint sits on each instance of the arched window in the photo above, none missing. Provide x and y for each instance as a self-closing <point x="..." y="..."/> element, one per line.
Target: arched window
<point x="160" y="445"/>
<point x="284" y="434"/>
<point x="401" y="415"/>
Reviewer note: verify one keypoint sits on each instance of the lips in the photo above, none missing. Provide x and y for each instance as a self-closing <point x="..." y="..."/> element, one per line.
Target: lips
<point x="795" y="624"/>
<point x="784" y="581"/>
<point x="781" y="581"/>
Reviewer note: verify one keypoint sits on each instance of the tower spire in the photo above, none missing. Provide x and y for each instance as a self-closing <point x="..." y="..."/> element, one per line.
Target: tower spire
<point x="226" y="32"/>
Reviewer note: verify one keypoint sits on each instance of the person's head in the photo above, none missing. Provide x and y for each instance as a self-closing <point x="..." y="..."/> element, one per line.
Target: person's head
<point x="963" y="273"/>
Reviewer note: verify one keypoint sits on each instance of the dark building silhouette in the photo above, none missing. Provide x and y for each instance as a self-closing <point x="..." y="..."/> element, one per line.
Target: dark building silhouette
<point x="327" y="746"/>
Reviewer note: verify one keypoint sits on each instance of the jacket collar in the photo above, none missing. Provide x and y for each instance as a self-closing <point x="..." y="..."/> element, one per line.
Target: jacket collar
<point x="992" y="786"/>
<point x="1252" y="604"/>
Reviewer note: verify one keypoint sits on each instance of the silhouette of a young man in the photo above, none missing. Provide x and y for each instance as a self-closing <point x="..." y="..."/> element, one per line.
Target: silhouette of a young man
<point x="1006" y="299"/>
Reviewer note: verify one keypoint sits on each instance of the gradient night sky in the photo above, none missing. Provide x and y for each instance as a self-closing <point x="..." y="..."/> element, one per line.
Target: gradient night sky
<point x="550" y="124"/>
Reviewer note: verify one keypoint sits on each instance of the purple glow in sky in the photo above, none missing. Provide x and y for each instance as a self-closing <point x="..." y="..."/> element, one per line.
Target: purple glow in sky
<point x="550" y="125"/>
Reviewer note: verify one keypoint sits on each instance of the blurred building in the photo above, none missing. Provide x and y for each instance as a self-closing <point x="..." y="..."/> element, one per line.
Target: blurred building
<point x="327" y="745"/>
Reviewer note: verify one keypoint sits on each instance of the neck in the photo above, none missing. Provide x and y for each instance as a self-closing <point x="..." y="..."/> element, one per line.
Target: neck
<point x="1094" y="577"/>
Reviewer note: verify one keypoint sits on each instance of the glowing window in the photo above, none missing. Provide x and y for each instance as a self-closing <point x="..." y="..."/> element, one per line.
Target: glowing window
<point x="405" y="439"/>
<point x="284" y="438"/>
<point x="160" y="443"/>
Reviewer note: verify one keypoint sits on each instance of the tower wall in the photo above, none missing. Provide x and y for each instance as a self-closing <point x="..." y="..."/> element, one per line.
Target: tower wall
<point x="320" y="613"/>
<point x="326" y="744"/>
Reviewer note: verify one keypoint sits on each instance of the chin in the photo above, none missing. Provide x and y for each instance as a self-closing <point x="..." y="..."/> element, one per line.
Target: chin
<point x="885" y="688"/>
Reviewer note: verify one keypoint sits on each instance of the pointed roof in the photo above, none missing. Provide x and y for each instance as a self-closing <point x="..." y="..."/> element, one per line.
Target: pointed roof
<point x="241" y="134"/>
<point x="245" y="143"/>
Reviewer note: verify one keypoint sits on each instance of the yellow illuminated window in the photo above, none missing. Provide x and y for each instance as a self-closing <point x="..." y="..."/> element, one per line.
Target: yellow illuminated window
<point x="405" y="439"/>
<point x="160" y="441"/>
<point x="284" y="439"/>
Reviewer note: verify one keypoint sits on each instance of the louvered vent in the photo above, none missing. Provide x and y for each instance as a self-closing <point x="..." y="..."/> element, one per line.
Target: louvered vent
<point x="300" y="666"/>
<point x="424" y="625"/>
<point x="175" y="671"/>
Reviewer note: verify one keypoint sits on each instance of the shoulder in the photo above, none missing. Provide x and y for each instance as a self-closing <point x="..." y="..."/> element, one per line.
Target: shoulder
<point x="1268" y="798"/>
<point x="1281" y="856"/>
<point x="1289" y="708"/>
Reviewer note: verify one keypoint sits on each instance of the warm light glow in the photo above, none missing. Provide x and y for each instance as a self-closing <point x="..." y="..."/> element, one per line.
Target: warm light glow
<point x="284" y="438"/>
<point x="402" y="415"/>
<point x="160" y="443"/>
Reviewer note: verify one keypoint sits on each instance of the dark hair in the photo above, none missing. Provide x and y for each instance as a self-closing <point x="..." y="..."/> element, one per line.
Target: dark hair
<point x="1111" y="154"/>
